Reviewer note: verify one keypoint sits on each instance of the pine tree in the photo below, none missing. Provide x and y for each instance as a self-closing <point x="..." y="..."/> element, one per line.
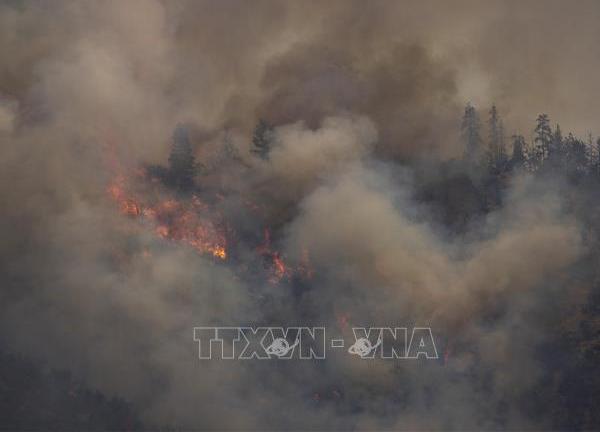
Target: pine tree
<point x="496" y="146"/>
<point x="590" y="152"/>
<point x="519" y="156"/>
<point x="262" y="139"/>
<point x="556" y="147"/>
<point x="502" y="144"/>
<point x="182" y="164"/>
<point x="470" y="129"/>
<point x="542" y="141"/>
<point x="595" y="163"/>
<point x="576" y="156"/>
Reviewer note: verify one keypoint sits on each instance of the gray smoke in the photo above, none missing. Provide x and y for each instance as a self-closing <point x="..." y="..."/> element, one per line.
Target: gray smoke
<point x="353" y="90"/>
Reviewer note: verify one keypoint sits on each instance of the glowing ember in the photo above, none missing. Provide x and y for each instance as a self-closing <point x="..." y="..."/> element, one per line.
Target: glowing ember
<point x="343" y="320"/>
<point x="175" y="220"/>
<point x="447" y="352"/>
<point x="219" y="252"/>
<point x="185" y="221"/>
<point x="278" y="267"/>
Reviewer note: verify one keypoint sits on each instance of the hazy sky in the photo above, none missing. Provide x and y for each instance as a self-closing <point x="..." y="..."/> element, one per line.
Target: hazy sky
<point x="349" y="85"/>
<point x="404" y="64"/>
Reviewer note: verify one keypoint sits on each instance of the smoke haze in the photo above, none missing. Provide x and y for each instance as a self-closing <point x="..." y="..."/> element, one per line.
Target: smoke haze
<point x="364" y="99"/>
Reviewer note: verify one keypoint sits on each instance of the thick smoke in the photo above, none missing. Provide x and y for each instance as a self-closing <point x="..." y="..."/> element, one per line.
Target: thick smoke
<point x="359" y="94"/>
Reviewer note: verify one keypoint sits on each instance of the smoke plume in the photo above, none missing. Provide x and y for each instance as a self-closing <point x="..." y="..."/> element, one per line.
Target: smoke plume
<point x="362" y="99"/>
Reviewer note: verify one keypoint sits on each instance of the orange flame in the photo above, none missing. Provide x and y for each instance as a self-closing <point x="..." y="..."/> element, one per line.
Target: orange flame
<point x="278" y="267"/>
<point x="181" y="221"/>
<point x="175" y="220"/>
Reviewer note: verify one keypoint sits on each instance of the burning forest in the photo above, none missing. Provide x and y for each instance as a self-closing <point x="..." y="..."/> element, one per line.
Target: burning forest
<point x="266" y="216"/>
<point x="166" y="201"/>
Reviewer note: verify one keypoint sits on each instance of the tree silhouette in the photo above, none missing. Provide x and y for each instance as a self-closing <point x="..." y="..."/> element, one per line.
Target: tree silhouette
<point x="262" y="139"/>
<point x="496" y="154"/>
<point x="518" y="159"/>
<point x="542" y="141"/>
<point x="470" y="129"/>
<point x="182" y="164"/>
